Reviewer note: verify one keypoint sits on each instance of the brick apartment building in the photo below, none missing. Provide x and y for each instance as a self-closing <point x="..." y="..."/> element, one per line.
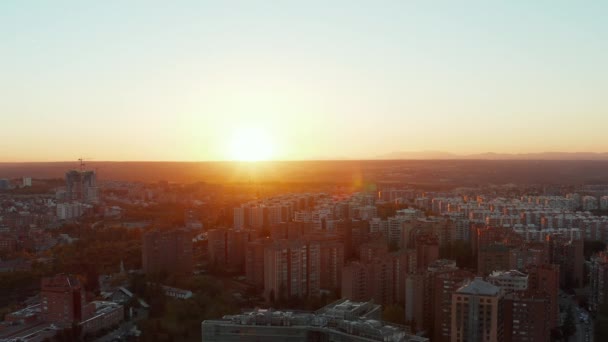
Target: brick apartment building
<point x="63" y="303"/>
<point x="291" y="268"/>
<point x="167" y="251"/>
<point x="62" y="300"/>
<point x="477" y="313"/>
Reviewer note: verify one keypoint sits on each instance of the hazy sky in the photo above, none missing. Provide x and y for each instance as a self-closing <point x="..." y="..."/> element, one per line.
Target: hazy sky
<point x="178" y="80"/>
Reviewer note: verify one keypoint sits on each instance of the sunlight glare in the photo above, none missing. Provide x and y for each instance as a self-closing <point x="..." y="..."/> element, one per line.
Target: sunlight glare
<point x="251" y="144"/>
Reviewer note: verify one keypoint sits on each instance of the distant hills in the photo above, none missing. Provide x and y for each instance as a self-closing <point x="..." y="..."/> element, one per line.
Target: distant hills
<point x="427" y="155"/>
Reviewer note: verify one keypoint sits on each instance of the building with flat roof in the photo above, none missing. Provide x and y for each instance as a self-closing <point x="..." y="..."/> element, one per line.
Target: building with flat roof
<point x="443" y="285"/>
<point x="348" y="309"/>
<point x="512" y="280"/>
<point x="227" y="248"/>
<point x="104" y="315"/>
<point x="493" y="257"/>
<point x="335" y="323"/>
<point x="568" y="254"/>
<point x="526" y="317"/>
<point x="291" y="268"/>
<point x="26" y="182"/>
<point x="63" y="300"/>
<point x="167" y="251"/>
<point x="598" y="279"/>
<point x="82" y="186"/>
<point x="477" y="312"/>
<point x="5" y="184"/>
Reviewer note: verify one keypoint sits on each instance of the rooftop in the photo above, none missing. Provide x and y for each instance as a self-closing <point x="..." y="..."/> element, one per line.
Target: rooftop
<point x="479" y="287"/>
<point x="508" y="274"/>
<point x="29" y="311"/>
<point x="324" y="321"/>
<point x="102" y="308"/>
<point x="346" y="309"/>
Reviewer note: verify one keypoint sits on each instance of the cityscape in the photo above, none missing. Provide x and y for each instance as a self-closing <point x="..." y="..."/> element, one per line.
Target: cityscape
<point x="377" y="259"/>
<point x="319" y="171"/>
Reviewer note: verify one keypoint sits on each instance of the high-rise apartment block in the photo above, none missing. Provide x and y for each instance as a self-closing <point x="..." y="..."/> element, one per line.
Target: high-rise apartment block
<point x="598" y="279"/>
<point x="568" y="254"/>
<point x="525" y="317"/>
<point x="69" y="210"/>
<point x="26" y="182"/>
<point x="254" y="262"/>
<point x="493" y="257"/>
<point x="331" y="259"/>
<point x="81" y="186"/>
<point x="543" y="280"/>
<point x="291" y="268"/>
<point x="477" y="312"/>
<point x="427" y="250"/>
<point x="227" y="247"/>
<point x="167" y="251"/>
<point x="240" y="217"/>
<point x="420" y="296"/>
<point x="443" y="286"/>
<point x="379" y="275"/>
<point x="371" y="280"/>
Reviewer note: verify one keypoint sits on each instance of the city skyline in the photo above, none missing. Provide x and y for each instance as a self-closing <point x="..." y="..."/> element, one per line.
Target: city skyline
<point x="254" y="81"/>
<point x="405" y="171"/>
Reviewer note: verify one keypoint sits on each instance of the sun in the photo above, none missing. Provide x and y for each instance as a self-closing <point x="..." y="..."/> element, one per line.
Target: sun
<point x="251" y="144"/>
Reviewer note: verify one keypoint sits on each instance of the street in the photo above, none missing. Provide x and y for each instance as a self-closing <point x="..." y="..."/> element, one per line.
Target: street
<point x="584" y="329"/>
<point x="584" y="321"/>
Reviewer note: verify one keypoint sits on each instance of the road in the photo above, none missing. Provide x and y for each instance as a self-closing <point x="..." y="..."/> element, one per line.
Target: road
<point x="584" y="331"/>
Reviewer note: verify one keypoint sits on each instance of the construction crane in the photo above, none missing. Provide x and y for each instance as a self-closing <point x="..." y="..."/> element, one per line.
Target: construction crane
<point x="82" y="164"/>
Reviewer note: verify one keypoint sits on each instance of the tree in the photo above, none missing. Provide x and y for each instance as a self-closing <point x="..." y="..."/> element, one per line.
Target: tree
<point x="592" y="247"/>
<point x="157" y="300"/>
<point x="601" y="324"/>
<point x="569" y="326"/>
<point x="91" y="281"/>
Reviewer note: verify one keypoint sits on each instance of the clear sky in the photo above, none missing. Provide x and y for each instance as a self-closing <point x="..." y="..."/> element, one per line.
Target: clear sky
<point x="182" y="80"/>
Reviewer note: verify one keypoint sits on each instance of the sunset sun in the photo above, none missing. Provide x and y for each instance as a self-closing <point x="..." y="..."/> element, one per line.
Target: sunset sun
<point x="251" y="144"/>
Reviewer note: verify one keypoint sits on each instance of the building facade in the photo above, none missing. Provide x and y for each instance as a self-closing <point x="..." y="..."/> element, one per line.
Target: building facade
<point x="477" y="313"/>
<point x="291" y="268"/>
<point x="62" y="299"/>
<point x="167" y="251"/>
<point x="334" y="323"/>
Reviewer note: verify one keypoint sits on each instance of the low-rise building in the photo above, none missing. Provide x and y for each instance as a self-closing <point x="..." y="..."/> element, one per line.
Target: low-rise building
<point x="105" y="316"/>
<point x="332" y="323"/>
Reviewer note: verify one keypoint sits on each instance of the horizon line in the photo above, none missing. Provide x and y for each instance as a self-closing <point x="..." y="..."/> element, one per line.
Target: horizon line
<point x="382" y="157"/>
<point x="305" y="160"/>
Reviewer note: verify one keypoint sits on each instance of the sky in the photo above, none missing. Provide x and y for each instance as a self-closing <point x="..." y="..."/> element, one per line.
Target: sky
<point x="195" y="80"/>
